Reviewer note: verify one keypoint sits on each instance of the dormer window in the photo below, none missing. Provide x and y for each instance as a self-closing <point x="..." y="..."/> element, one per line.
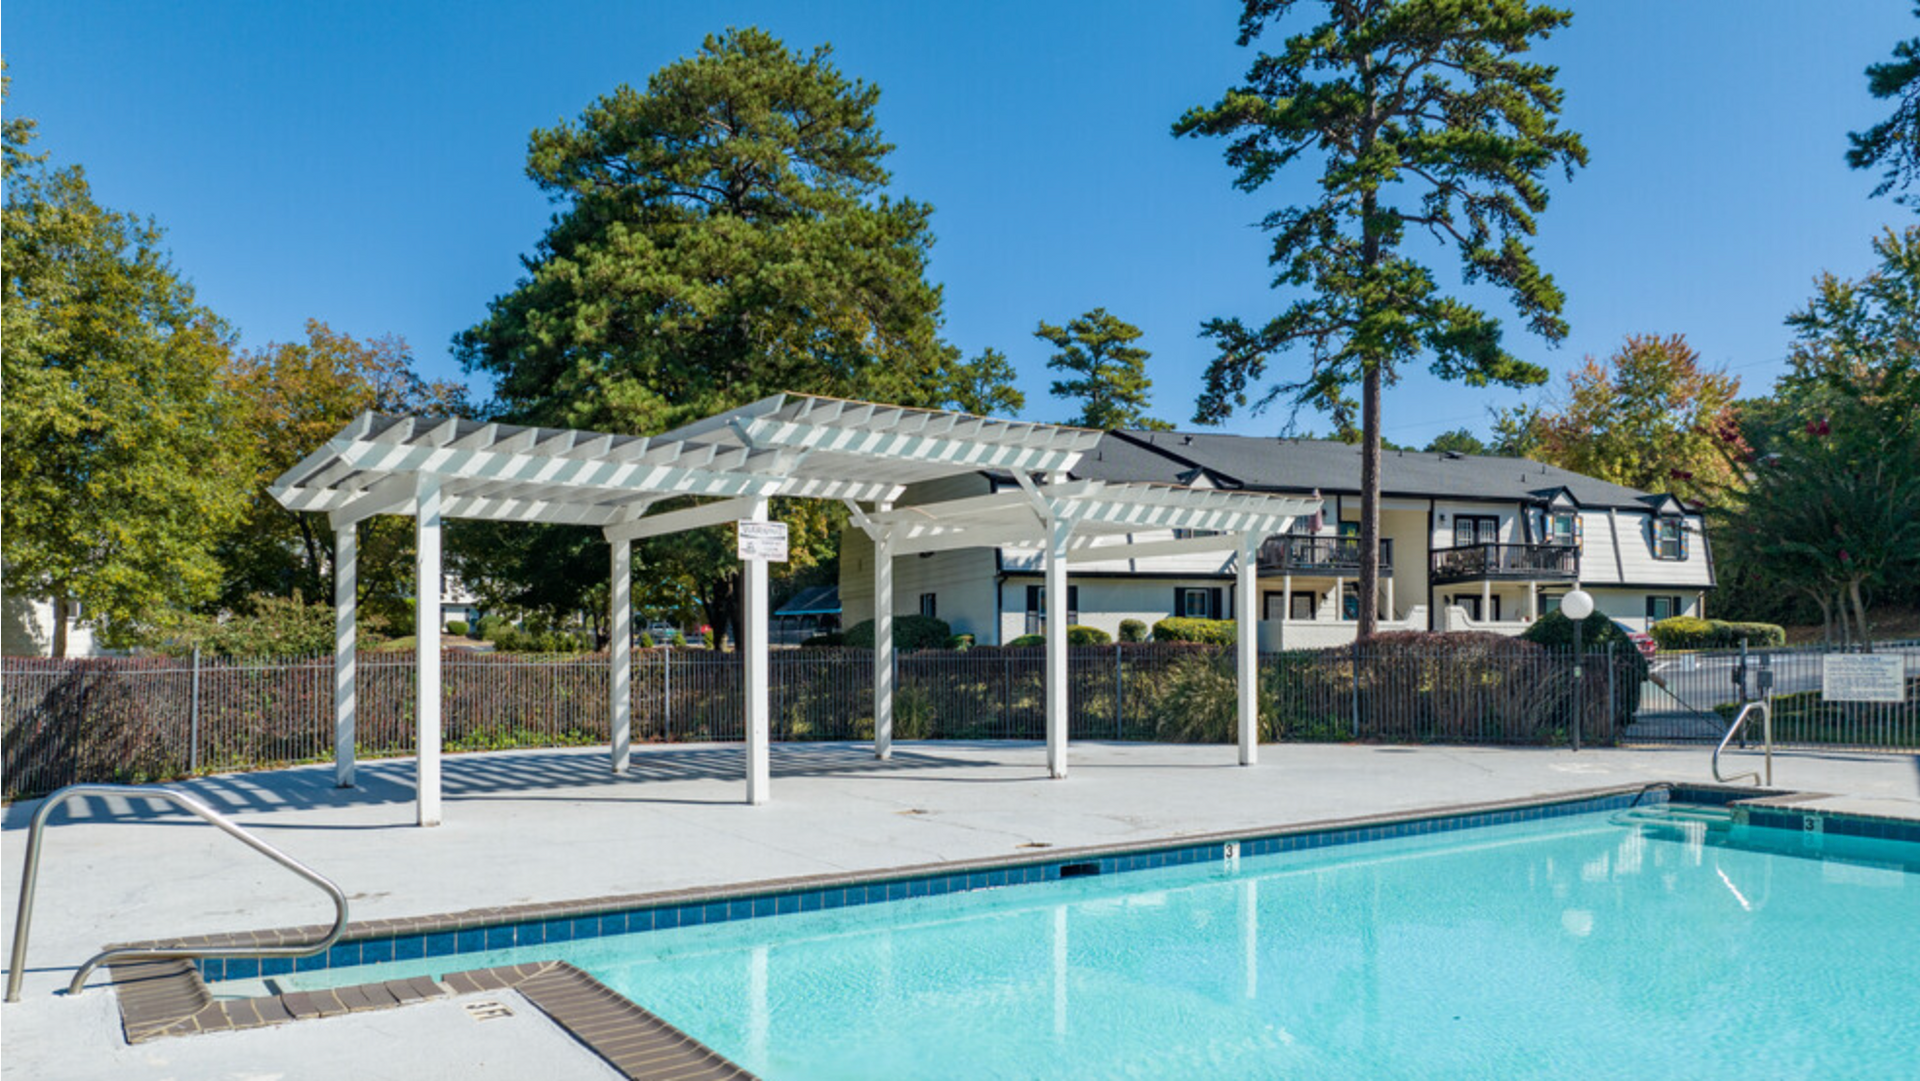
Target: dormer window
<point x="1668" y="540"/>
<point x="1560" y="529"/>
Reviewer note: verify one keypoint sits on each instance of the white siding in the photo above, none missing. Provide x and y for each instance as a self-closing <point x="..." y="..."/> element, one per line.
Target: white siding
<point x="1105" y="602"/>
<point x="1641" y="566"/>
<point x="961" y="582"/>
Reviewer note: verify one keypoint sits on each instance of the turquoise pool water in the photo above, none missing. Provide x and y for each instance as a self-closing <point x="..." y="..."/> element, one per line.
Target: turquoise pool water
<point x="1637" y="944"/>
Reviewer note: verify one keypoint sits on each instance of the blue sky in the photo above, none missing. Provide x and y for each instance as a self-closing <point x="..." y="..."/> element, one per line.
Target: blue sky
<point x="363" y="163"/>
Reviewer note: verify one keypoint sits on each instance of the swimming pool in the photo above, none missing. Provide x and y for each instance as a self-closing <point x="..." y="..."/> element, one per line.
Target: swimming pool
<point x="1658" y="942"/>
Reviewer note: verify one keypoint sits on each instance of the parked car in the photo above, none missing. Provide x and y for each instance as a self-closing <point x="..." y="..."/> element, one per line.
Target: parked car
<point x="1641" y="641"/>
<point x="660" y="630"/>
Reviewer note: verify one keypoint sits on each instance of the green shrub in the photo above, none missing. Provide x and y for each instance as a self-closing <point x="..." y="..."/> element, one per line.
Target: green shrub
<point x="1217" y="632"/>
<point x="1687" y="632"/>
<point x="678" y="640"/>
<point x="1029" y="640"/>
<point x="512" y="640"/>
<point x="825" y="641"/>
<point x="266" y="626"/>
<point x="457" y="628"/>
<point x="646" y="640"/>
<point x="1079" y="635"/>
<point x="909" y="633"/>
<point x="706" y="637"/>
<point x="960" y="642"/>
<point x="1132" y="630"/>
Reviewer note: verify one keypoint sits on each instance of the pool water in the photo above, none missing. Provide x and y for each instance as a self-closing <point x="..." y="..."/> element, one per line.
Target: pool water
<point x="1648" y="943"/>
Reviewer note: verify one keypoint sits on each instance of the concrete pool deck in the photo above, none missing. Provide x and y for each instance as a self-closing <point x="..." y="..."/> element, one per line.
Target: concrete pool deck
<point x="553" y="825"/>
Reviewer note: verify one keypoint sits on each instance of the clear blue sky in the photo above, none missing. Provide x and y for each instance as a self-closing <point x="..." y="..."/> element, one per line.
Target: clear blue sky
<point x="362" y="162"/>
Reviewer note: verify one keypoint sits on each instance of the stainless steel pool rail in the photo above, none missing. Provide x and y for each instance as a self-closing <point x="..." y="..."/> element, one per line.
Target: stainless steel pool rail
<point x="194" y="805"/>
<point x="1766" y="721"/>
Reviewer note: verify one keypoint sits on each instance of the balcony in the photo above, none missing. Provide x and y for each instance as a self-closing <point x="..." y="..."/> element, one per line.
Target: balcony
<point x="1523" y="562"/>
<point x="1338" y="557"/>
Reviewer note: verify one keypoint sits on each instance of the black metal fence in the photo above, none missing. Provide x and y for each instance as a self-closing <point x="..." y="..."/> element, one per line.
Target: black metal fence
<point x="138" y="719"/>
<point x="1692" y="697"/>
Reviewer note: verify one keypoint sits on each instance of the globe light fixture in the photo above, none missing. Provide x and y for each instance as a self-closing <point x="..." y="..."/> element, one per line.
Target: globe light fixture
<point x="1577" y="605"/>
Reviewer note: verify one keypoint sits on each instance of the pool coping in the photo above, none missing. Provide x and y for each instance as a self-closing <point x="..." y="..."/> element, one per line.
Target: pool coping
<point x="172" y="998"/>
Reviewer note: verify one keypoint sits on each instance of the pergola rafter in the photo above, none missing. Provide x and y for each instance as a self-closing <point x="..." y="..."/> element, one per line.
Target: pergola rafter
<point x="790" y="446"/>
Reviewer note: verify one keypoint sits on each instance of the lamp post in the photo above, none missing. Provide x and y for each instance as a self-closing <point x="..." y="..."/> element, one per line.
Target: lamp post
<point x="1577" y="606"/>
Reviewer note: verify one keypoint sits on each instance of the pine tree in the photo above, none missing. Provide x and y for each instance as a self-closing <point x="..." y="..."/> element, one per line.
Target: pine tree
<point x="1110" y="376"/>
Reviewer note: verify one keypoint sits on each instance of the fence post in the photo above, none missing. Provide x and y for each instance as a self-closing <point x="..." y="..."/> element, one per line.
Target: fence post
<point x="1613" y="709"/>
<point x="666" y="695"/>
<point x="1356" y="688"/>
<point x="193" y="730"/>
<point x="1119" y="692"/>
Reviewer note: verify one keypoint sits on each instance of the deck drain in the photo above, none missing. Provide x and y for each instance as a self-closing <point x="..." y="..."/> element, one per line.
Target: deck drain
<point x="486" y="1010"/>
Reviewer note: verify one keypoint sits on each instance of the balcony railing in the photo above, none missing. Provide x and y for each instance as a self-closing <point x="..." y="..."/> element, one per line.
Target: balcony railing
<point x="1319" y="555"/>
<point x="1473" y="562"/>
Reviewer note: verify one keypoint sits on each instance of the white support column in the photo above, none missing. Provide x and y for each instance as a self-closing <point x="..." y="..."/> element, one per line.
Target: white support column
<point x="1388" y="580"/>
<point x="883" y="642"/>
<point x="1533" y="601"/>
<point x="1286" y="596"/>
<point x="620" y="655"/>
<point x="753" y="617"/>
<point x="1247" y="647"/>
<point x="345" y="558"/>
<point x="1486" y="599"/>
<point x="1058" y="533"/>
<point x="426" y="628"/>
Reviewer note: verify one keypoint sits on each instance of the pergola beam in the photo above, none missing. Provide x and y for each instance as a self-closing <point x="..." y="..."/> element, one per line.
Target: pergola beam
<point x="677" y="521"/>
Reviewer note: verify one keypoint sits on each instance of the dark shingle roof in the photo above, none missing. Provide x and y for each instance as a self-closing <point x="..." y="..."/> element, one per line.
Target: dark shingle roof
<point x="1302" y="465"/>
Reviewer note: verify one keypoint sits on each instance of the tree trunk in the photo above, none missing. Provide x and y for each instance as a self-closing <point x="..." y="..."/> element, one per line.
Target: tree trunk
<point x="1369" y="504"/>
<point x="1860" y="615"/>
<point x="60" y="623"/>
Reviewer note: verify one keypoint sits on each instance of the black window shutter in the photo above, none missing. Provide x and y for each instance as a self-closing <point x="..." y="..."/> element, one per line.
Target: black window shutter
<point x="1033" y="599"/>
<point x="1179" y="602"/>
<point x="1073" y="604"/>
<point x="1214" y="607"/>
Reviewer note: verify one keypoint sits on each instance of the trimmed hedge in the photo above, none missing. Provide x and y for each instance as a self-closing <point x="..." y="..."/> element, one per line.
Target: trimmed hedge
<point x="1028" y="640"/>
<point x="1081" y="635"/>
<point x="1687" y="632"/>
<point x="909" y="632"/>
<point x="1133" y="630"/>
<point x="457" y="628"/>
<point x="1216" y="632"/>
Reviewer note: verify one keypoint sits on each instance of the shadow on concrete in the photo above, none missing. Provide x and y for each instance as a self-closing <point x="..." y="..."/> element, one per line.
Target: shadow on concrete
<point x="581" y="773"/>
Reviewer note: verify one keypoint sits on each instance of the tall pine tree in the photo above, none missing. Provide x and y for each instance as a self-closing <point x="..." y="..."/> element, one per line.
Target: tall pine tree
<point x="1421" y="114"/>
<point x="1108" y="373"/>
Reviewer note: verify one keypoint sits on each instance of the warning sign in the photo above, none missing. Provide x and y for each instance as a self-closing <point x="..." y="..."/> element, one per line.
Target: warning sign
<point x="763" y="540"/>
<point x="1863" y="677"/>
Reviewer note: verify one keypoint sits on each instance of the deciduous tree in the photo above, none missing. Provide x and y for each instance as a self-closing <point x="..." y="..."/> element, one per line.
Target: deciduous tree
<point x="1107" y="372"/>
<point x="1649" y="417"/>
<point x="298" y="395"/>
<point x="1424" y="115"/>
<point x="125" y="446"/>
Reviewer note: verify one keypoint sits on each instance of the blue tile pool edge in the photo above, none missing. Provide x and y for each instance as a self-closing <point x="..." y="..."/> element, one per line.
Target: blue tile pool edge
<point x="486" y="930"/>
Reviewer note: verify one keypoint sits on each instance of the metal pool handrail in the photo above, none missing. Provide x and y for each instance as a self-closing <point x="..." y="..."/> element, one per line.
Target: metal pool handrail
<point x="194" y="805"/>
<point x="1766" y="720"/>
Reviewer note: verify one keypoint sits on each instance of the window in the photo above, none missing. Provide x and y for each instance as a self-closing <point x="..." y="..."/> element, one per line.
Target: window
<point x="1550" y="602"/>
<point x="1037" y="608"/>
<point x="1560" y="529"/>
<point x="1304" y="605"/>
<point x="1350" y="601"/>
<point x="1193" y="604"/>
<point x="1471" y="529"/>
<point x="929" y="606"/>
<point x="1659" y="608"/>
<point x="1668" y="541"/>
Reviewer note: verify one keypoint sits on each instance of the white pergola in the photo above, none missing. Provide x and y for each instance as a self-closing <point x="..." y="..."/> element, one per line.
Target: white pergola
<point x="784" y="445"/>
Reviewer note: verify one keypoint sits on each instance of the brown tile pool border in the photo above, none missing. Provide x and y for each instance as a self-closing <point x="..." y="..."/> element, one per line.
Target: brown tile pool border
<point x="171" y="998"/>
<point x="168" y="998"/>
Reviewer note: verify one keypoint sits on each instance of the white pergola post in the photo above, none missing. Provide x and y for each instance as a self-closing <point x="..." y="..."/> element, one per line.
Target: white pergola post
<point x="620" y="655"/>
<point x="883" y="642"/>
<point x="345" y="556"/>
<point x="1059" y="532"/>
<point x="426" y="625"/>
<point x="753" y="619"/>
<point x="1247" y="646"/>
